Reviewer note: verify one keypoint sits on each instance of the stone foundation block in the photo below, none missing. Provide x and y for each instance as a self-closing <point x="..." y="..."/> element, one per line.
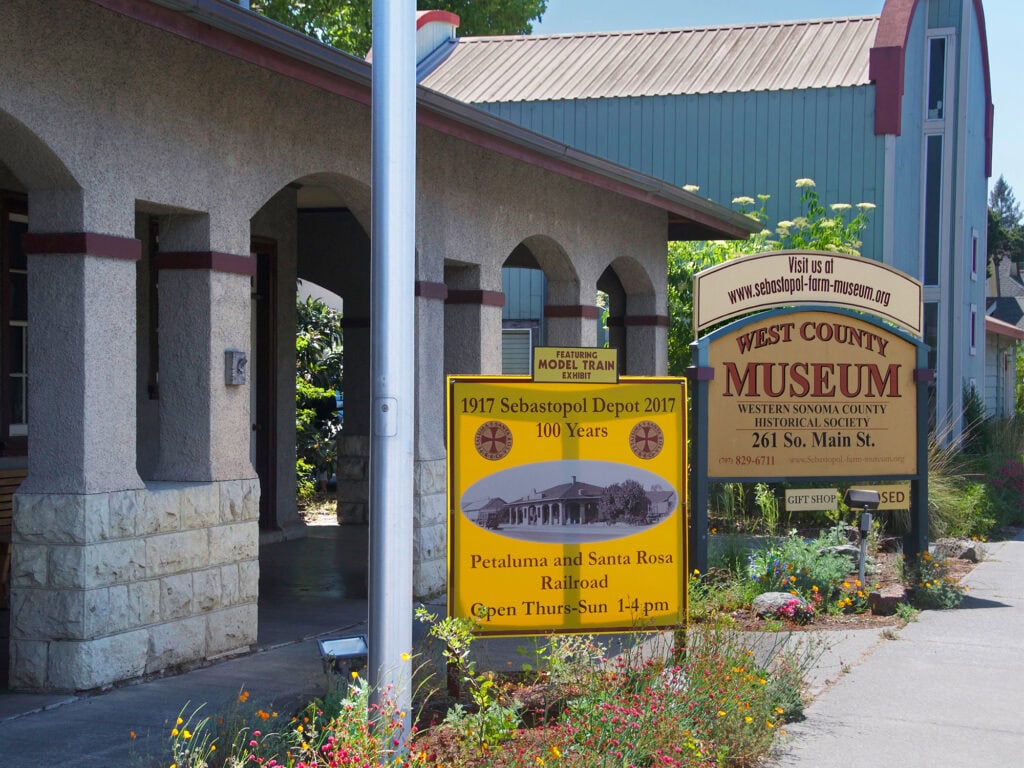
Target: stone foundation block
<point x="49" y="518"/>
<point x="353" y="514"/>
<point x="176" y="642"/>
<point x="429" y="543"/>
<point x="200" y="506"/>
<point x="430" y="510"/>
<point x="350" y="491"/>
<point x="239" y="501"/>
<point x="29" y="565"/>
<point x="350" y="468"/>
<point x="81" y="665"/>
<point x="177" y="552"/>
<point x="429" y="578"/>
<point x="235" y="542"/>
<point x="430" y="477"/>
<point x="176" y="596"/>
<point x="114" y="562"/>
<point x="28" y="665"/>
<point x="97" y="613"/>
<point x="44" y="614"/>
<point x="232" y="629"/>
<point x="206" y="591"/>
<point x="161" y="511"/>
<point x="66" y="567"/>
<point x="111" y="609"/>
<point x="229" y="593"/>
<point x="353" y="445"/>
<point x="145" y="597"/>
<point x="125" y="510"/>
<point x="248" y="581"/>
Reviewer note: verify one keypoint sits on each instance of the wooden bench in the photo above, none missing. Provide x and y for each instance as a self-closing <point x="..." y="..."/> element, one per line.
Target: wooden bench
<point x="10" y="479"/>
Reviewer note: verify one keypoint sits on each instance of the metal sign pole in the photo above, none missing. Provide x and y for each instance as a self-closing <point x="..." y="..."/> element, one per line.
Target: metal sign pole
<point x="392" y="339"/>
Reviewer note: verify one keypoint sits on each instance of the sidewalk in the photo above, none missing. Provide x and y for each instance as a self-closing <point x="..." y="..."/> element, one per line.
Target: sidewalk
<point x="948" y="691"/>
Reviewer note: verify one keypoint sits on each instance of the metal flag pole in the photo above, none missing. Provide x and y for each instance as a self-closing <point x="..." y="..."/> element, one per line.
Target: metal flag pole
<point x="392" y="322"/>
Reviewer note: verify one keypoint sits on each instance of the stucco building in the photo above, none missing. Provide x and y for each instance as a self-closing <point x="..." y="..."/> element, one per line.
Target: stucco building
<point x="168" y="170"/>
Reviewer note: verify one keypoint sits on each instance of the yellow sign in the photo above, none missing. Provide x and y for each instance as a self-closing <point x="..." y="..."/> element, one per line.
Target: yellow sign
<point x="812" y="394"/>
<point x="567" y="505"/>
<point x="793" y="278"/>
<point x="812" y="499"/>
<point x="586" y="365"/>
<point x="891" y="497"/>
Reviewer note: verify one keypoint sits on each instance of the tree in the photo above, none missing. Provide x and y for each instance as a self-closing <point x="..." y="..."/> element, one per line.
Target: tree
<point x="1001" y="200"/>
<point x="319" y="357"/>
<point x="833" y="228"/>
<point x="625" y="499"/>
<point x="347" y="24"/>
<point x="1005" y="229"/>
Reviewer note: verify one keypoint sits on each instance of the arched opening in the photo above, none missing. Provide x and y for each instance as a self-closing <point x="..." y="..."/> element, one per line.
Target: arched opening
<point x="631" y="313"/>
<point x="310" y="235"/>
<point x="541" y="291"/>
<point x="27" y="167"/>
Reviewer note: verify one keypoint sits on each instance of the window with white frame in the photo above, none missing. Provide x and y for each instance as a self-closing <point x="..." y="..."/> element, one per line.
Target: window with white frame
<point x="935" y="93"/>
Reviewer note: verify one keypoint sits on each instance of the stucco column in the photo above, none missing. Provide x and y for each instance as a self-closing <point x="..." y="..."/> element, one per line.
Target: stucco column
<point x="473" y="301"/>
<point x="430" y="479"/>
<point x="81" y="358"/>
<point x="204" y="311"/>
<point x="646" y="345"/>
<point x="571" y="325"/>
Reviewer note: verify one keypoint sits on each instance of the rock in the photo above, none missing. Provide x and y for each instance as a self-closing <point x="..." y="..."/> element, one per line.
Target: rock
<point x="769" y="603"/>
<point x="958" y="549"/>
<point x="890" y="544"/>
<point x="883" y="601"/>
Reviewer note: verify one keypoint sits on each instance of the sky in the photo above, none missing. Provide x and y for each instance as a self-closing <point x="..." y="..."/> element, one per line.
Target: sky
<point x="1004" y="21"/>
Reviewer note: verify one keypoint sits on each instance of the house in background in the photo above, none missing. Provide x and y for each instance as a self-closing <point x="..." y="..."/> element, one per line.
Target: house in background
<point x="893" y="110"/>
<point x="1004" y="326"/>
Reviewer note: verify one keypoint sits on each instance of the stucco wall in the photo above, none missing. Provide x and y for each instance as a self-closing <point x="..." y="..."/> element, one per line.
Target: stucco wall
<point x="103" y="118"/>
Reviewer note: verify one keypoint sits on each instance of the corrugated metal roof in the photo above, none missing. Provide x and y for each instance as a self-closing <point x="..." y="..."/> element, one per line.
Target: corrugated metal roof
<point x="826" y="53"/>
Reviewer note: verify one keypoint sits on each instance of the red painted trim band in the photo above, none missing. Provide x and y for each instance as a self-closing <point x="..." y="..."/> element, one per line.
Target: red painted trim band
<point x="483" y="298"/>
<point x="83" y="243"/>
<point x="428" y="290"/>
<point x="572" y="310"/>
<point x="658" y="321"/>
<point x="924" y="374"/>
<point x="212" y="260"/>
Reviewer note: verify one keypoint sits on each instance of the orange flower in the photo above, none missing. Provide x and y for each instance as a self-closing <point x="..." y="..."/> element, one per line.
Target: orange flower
<point x="243" y="697"/>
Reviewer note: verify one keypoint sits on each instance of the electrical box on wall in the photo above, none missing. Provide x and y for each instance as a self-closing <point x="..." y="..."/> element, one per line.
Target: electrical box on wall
<point x="234" y="367"/>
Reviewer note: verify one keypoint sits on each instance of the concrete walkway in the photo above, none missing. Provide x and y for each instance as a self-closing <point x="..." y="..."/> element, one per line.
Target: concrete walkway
<point x="949" y="691"/>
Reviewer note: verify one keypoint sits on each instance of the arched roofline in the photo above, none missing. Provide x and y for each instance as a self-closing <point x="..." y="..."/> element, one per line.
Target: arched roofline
<point x="31" y="159"/>
<point x="887" y="69"/>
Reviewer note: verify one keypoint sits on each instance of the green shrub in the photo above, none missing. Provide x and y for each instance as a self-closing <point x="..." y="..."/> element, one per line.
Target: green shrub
<point x="933" y="587"/>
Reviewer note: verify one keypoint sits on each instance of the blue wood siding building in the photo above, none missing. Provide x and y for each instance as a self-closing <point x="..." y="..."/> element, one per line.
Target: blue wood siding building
<point x="893" y="110"/>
